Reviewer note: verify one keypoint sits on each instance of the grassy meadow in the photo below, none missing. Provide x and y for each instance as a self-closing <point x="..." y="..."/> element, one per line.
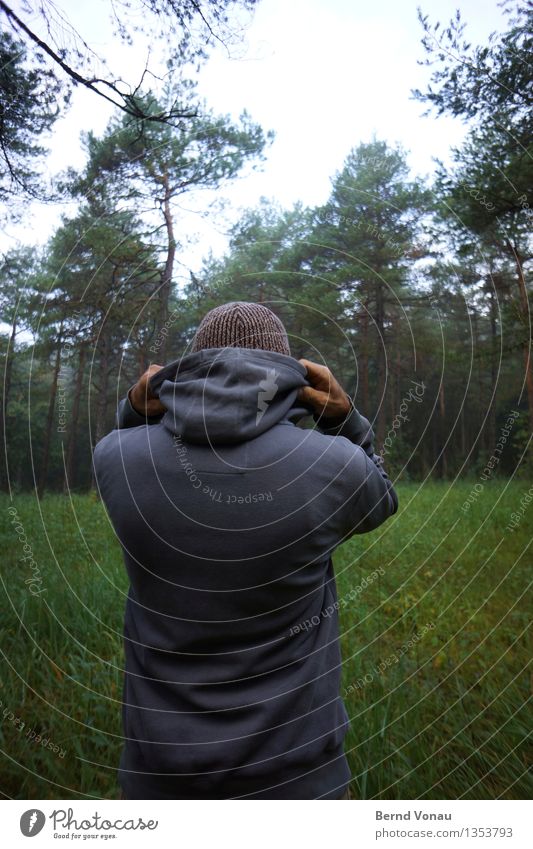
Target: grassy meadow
<point x="436" y="675"/>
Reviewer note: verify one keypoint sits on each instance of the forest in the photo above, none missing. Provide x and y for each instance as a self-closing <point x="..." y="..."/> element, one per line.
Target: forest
<point x="413" y="291"/>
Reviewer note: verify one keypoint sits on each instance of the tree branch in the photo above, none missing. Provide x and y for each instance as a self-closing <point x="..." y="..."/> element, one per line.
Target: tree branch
<point x="127" y="103"/>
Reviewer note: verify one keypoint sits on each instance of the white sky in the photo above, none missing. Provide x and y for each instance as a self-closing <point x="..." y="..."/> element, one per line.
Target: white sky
<point x="324" y="74"/>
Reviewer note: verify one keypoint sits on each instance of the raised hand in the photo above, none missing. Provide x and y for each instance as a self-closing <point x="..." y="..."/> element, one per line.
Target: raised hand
<point x="141" y="399"/>
<point x="325" y="395"/>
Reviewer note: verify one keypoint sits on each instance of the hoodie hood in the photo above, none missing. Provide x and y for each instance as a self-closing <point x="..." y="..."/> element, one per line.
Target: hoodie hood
<point x="229" y="395"/>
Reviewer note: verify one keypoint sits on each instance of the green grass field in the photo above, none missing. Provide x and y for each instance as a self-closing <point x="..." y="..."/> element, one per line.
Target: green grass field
<point x="435" y="646"/>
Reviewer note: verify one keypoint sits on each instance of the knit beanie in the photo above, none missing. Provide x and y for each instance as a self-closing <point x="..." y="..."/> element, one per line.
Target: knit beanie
<point x="240" y="324"/>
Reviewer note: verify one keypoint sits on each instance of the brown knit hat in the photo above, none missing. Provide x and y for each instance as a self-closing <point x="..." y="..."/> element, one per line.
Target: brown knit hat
<point x="240" y="324"/>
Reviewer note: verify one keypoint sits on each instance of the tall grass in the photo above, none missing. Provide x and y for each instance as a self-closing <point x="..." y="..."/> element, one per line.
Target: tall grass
<point x="434" y="641"/>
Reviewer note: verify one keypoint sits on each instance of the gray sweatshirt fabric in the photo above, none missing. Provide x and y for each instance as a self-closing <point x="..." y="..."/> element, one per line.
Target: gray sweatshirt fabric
<point x="228" y="515"/>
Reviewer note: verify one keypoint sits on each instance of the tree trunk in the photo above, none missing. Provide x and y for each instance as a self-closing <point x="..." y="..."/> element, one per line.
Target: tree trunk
<point x="435" y="444"/>
<point x="364" y="360"/>
<point x="298" y="349"/>
<point x="493" y="367"/>
<point x="166" y="279"/>
<point x="143" y="360"/>
<point x="380" y="357"/>
<point x="396" y="398"/>
<point x="70" y="467"/>
<point x="442" y="428"/>
<point x="4" y="466"/>
<point x="526" y="350"/>
<point x="103" y="386"/>
<point x="50" y="417"/>
<point x="482" y="424"/>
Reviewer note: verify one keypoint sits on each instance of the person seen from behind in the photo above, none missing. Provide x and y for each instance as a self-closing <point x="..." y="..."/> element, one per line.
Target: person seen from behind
<point x="228" y="515"/>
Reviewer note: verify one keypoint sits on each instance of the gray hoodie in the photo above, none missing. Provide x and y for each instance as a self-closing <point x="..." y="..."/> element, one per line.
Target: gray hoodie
<point x="228" y="515"/>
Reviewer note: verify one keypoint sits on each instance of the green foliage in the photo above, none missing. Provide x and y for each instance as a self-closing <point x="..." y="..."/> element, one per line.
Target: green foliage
<point x="183" y="30"/>
<point x="142" y="163"/>
<point x="387" y="282"/>
<point x="488" y="192"/>
<point x="138" y="156"/>
<point x="29" y="105"/>
<point x="492" y="80"/>
<point x="485" y="198"/>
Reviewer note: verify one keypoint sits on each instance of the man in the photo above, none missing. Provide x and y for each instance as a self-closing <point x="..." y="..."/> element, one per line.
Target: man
<point x="228" y="515"/>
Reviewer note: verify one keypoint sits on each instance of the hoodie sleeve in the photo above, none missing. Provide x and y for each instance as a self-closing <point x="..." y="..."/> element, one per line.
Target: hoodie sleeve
<point x="127" y="416"/>
<point x="372" y="499"/>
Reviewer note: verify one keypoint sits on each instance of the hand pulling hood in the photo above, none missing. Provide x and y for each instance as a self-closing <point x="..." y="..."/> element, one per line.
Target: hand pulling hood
<point x="229" y="395"/>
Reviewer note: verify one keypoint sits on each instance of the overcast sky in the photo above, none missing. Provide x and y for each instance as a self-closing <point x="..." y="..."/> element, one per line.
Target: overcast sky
<point x="323" y="74"/>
